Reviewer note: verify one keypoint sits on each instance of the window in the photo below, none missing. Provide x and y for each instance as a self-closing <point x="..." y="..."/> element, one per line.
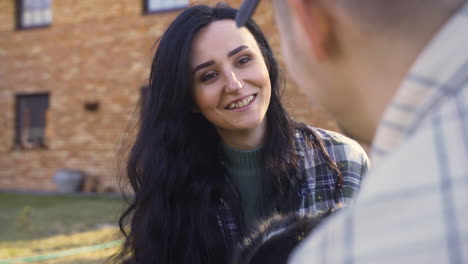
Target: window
<point x="31" y="120"/>
<point x="152" y="6"/>
<point x="33" y="13"/>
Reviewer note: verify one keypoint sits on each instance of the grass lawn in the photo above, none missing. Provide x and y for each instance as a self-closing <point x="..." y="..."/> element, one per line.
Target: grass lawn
<point x="33" y="225"/>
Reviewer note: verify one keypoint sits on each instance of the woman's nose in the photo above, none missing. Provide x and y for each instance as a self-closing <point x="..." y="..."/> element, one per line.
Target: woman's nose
<point x="233" y="82"/>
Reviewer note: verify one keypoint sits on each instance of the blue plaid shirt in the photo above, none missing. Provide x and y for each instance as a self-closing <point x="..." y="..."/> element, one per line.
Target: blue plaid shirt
<point x="413" y="206"/>
<point x="317" y="187"/>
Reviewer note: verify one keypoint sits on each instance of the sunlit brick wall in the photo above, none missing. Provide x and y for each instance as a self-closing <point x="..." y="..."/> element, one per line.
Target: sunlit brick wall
<point x="94" y="51"/>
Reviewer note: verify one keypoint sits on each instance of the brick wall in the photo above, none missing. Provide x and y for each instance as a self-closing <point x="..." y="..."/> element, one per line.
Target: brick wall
<point x="94" y="51"/>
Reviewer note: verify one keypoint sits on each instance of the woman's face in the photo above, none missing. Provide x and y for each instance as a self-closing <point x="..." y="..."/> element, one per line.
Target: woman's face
<point x="231" y="83"/>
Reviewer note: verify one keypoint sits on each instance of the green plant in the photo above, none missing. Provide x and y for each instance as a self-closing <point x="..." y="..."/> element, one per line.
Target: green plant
<point x="23" y="219"/>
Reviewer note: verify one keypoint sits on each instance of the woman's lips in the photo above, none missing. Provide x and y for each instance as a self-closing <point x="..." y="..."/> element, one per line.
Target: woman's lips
<point x="245" y="101"/>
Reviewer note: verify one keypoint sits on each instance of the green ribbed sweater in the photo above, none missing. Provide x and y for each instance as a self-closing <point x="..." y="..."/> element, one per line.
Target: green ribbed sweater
<point x="247" y="173"/>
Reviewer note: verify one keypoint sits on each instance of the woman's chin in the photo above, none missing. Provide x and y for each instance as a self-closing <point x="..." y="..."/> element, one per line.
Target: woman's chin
<point x="248" y="125"/>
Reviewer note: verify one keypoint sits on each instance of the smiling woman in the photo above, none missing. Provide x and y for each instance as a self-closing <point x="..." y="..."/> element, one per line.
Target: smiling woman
<point x="231" y="84"/>
<point x="216" y="150"/>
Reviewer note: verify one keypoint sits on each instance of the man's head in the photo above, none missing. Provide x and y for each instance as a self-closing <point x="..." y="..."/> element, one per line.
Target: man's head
<point x="351" y="55"/>
<point x="274" y="238"/>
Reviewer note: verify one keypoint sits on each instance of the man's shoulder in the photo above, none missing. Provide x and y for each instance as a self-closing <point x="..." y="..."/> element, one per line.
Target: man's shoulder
<point x="416" y="194"/>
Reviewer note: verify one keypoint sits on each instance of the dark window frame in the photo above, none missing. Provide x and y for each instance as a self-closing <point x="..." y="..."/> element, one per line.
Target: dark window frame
<point x="19" y="18"/>
<point x="146" y="10"/>
<point x="19" y="130"/>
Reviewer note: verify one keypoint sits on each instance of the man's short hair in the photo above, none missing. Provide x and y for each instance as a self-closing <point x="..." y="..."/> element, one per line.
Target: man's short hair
<point x="386" y="15"/>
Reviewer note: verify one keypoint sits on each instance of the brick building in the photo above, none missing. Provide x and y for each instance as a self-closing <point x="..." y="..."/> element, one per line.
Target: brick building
<point x="71" y="74"/>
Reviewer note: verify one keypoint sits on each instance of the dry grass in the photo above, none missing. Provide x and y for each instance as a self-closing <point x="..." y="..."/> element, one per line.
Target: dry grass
<point x="58" y="243"/>
<point x="32" y="225"/>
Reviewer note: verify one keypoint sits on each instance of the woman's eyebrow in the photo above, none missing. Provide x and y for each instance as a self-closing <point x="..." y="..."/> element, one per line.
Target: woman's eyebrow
<point x="203" y="65"/>
<point x="236" y="50"/>
<point x="211" y="62"/>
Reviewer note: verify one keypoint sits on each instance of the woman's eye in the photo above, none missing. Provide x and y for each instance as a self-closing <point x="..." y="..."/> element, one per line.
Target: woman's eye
<point x="243" y="60"/>
<point x="208" y="76"/>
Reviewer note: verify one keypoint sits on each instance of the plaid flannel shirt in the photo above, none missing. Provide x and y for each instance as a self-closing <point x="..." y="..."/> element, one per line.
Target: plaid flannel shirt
<point x="317" y="180"/>
<point x="413" y="206"/>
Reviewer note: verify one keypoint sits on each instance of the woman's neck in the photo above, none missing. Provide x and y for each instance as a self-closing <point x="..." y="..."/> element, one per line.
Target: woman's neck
<point x="244" y="139"/>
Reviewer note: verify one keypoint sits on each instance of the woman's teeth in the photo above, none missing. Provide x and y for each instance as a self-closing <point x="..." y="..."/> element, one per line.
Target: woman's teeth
<point x="242" y="103"/>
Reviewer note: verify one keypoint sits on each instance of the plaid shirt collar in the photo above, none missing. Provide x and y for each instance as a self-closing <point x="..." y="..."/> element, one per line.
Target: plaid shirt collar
<point x="421" y="91"/>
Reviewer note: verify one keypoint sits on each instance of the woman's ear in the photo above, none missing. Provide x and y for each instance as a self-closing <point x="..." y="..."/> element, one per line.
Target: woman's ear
<point x="313" y="20"/>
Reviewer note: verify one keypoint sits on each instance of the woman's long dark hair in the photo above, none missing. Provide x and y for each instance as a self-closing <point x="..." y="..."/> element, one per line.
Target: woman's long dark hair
<point x="175" y="166"/>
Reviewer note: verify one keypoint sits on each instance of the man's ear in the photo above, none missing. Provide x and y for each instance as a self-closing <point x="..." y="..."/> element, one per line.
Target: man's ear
<point x="313" y="19"/>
